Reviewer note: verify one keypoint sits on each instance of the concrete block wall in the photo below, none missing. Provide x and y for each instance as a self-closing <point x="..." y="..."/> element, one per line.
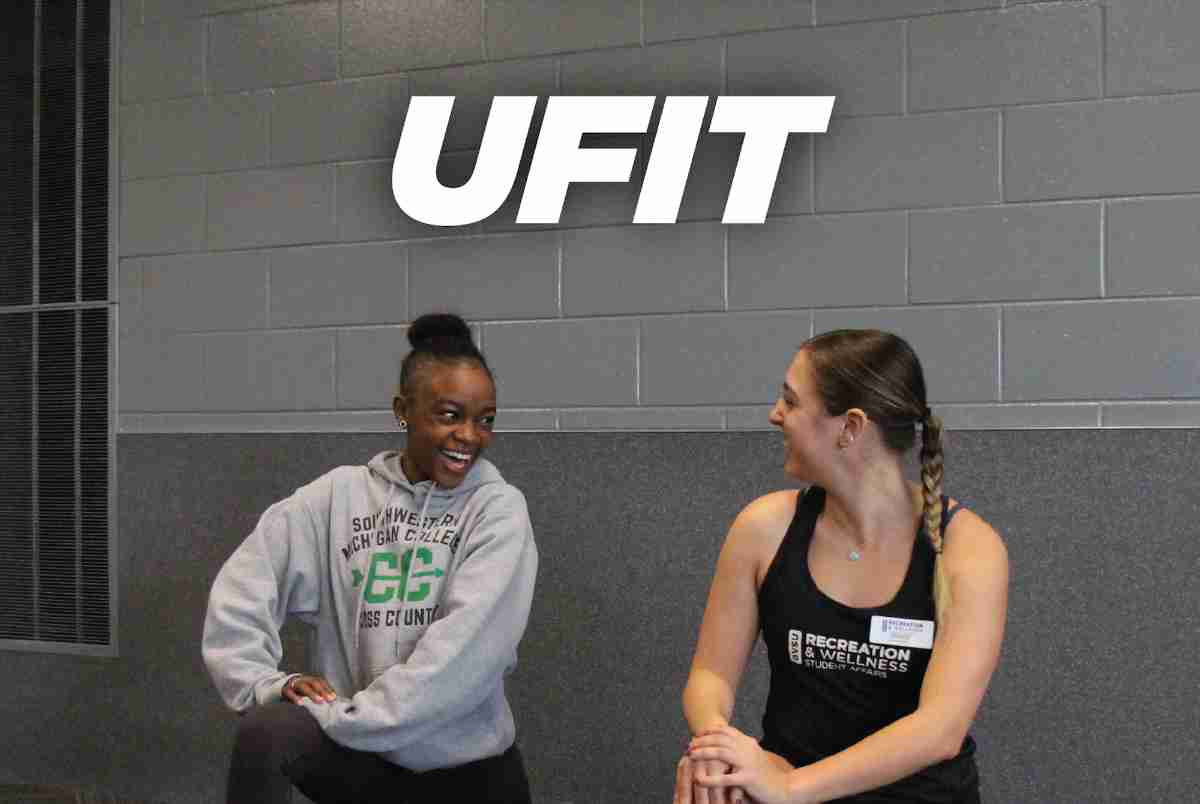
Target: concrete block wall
<point x="1010" y="185"/>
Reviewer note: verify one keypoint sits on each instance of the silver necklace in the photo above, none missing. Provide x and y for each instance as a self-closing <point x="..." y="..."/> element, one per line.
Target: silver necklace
<point x="853" y="555"/>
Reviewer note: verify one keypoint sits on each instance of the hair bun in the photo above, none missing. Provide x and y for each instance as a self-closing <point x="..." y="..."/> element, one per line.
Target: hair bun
<point x="438" y="326"/>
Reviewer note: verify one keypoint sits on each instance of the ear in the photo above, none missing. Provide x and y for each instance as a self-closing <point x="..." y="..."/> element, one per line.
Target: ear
<point x="856" y="423"/>
<point x="400" y="407"/>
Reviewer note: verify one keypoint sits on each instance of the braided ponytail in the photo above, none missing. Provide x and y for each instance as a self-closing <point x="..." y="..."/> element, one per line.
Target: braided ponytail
<point x="932" y="470"/>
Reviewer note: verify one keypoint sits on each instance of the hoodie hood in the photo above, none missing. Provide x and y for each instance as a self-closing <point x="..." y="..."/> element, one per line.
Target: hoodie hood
<point x="387" y="465"/>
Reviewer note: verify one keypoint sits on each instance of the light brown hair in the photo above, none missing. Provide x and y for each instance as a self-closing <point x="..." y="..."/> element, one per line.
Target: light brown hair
<point x="879" y="373"/>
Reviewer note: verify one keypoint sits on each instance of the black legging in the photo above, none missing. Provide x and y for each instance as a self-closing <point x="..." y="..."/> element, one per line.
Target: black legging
<point x="280" y="744"/>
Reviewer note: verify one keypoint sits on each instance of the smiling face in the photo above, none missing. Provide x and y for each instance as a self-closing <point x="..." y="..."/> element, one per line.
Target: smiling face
<point x="450" y="418"/>
<point x="810" y="434"/>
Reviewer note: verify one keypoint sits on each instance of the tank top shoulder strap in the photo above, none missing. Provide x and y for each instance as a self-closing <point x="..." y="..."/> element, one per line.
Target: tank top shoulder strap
<point x="949" y="509"/>
<point x="799" y="532"/>
<point x="809" y="503"/>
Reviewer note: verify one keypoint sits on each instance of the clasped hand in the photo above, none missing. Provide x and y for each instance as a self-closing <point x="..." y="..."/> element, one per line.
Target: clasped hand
<point x="723" y="759"/>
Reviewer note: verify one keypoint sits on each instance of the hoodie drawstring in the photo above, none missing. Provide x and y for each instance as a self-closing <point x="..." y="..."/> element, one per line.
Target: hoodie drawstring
<point x="424" y="528"/>
<point x="358" y="603"/>
<point x="397" y="479"/>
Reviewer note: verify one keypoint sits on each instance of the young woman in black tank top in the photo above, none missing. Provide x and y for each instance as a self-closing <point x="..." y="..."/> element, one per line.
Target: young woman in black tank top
<point x="882" y="604"/>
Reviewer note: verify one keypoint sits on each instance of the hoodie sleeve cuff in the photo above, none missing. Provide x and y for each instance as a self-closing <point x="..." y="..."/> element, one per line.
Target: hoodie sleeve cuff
<point x="273" y="691"/>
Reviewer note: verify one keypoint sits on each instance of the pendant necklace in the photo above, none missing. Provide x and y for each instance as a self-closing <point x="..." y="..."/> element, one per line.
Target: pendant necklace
<point x="853" y="555"/>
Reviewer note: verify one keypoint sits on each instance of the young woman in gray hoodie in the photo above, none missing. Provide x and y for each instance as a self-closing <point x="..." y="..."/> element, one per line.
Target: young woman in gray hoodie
<point x="416" y="572"/>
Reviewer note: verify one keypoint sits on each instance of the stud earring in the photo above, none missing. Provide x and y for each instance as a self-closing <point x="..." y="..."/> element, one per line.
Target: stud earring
<point x="403" y="424"/>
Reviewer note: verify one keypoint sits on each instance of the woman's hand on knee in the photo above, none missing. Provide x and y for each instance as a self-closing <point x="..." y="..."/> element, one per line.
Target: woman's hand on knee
<point x="315" y="688"/>
<point x="688" y="792"/>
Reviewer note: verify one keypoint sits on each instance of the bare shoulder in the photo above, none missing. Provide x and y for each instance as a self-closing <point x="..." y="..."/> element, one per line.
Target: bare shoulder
<point x="759" y="529"/>
<point x="973" y="547"/>
<point x="766" y="514"/>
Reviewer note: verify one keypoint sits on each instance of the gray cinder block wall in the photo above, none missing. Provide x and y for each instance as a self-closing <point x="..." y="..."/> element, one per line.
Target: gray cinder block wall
<point x="1011" y="185"/>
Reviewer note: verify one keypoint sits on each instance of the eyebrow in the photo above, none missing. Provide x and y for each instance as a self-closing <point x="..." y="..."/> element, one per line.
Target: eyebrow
<point x="445" y="400"/>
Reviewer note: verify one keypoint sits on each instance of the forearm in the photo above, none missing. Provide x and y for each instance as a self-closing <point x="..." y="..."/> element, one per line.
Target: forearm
<point x="240" y="644"/>
<point x="269" y="575"/>
<point x="894" y="752"/>
<point x="707" y="701"/>
<point x="779" y="761"/>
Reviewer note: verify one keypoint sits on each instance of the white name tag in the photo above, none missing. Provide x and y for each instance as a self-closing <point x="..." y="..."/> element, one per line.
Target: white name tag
<point x="901" y="632"/>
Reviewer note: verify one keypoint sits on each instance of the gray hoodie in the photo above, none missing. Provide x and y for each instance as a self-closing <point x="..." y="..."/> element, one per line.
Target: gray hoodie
<point x="418" y="596"/>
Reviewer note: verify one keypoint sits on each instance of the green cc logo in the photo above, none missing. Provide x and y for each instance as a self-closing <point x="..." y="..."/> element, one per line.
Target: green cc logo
<point x="384" y="583"/>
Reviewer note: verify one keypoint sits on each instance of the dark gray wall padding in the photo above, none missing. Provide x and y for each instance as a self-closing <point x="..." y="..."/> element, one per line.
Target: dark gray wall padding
<point x="1095" y="699"/>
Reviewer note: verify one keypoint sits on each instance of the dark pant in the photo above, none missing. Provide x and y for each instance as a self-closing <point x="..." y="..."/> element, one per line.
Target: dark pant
<point x="280" y="744"/>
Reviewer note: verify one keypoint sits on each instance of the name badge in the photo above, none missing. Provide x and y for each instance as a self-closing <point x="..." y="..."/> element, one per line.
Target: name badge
<point x="901" y="632"/>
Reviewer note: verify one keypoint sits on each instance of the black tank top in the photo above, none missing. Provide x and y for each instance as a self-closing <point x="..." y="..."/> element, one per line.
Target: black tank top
<point x="840" y="673"/>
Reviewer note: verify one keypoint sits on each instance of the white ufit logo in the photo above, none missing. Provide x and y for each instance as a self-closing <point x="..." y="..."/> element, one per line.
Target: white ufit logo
<point x="796" y="645"/>
<point x="558" y="160"/>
